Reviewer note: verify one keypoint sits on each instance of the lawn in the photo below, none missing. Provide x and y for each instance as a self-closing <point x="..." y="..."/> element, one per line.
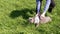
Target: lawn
<point x="14" y="16"/>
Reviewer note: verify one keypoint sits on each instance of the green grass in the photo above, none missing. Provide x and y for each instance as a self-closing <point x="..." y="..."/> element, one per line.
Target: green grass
<point x="14" y="15"/>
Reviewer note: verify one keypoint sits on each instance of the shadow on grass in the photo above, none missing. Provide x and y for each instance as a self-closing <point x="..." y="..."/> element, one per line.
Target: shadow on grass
<point x="23" y="13"/>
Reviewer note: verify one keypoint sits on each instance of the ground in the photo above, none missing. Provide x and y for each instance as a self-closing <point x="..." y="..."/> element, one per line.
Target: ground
<point x="14" y="16"/>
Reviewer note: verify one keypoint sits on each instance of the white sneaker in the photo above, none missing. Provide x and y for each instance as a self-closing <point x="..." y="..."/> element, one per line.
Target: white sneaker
<point x="43" y="14"/>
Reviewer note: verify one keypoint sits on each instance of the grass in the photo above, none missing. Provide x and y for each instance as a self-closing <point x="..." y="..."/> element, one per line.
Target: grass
<point x="14" y="15"/>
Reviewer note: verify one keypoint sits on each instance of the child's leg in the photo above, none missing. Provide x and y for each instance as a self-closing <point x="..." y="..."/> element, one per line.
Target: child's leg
<point x="38" y="6"/>
<point x="46" y="7"/>
<point x="52" y="5"/>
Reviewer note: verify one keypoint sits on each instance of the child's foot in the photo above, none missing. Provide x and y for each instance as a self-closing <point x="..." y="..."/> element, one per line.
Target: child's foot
<point x="42" y="16"/>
